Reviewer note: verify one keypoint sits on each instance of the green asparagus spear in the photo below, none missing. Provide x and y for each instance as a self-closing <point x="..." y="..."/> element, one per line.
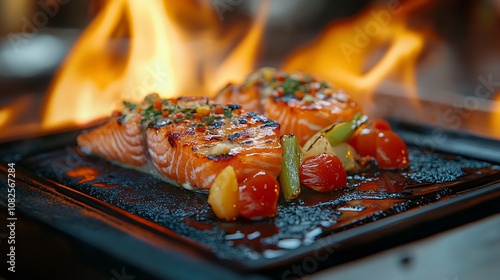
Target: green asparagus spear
<point x="290" y="167"/>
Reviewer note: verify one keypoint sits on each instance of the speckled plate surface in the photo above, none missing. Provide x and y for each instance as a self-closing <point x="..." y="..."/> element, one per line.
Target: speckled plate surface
<point x="373" y="200"/>
<point x="370" y="196"/>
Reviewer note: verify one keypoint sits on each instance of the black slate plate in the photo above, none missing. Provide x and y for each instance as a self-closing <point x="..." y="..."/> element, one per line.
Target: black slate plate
<point x="376" y="203"/>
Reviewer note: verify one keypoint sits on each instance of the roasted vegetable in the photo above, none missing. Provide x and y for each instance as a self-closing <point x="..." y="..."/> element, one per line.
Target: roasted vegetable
<point x="258" y="196"/>
<point x="332" y="141"/>
<point x="323" y="173"/>
<point x="290" y="164"/>
<point x="347" y="155"/>
<point x="378" y="141"/>
<point x="339" y="132"/>
<point x="224" y="194"/>
<point x="320" y="146"/>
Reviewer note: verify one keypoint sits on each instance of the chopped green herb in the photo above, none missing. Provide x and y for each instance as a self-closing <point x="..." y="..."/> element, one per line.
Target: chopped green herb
<point x="129" y="105"/>
<point x="209" y="119"/>
<point x="228" y="112"/>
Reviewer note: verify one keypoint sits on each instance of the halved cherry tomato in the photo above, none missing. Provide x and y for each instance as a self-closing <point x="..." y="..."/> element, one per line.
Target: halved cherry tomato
<point x="322" y="173"/>
<point x="258" y="196"/>
<point x="391" y="151"/>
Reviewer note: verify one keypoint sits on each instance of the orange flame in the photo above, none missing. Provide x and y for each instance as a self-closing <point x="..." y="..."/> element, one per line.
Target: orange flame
<point x="132" y="49"/>
<point x="10" y="118"/>
<point x="495" y="116"/>
<point x="5" y="115"/>
<point x="161" y="57"/>
<point x="361" y="53"/>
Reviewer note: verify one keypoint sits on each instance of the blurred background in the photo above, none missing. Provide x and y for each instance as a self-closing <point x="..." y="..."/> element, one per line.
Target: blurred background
<point x="422" y="62"/>
<point x="37" y="34"/>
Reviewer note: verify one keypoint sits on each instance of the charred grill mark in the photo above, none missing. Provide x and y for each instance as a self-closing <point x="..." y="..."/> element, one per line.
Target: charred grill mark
<point x="267" y="122"/>
<point x="242" y="120"/>
<point x="212" y="137"/>
<point x="233" y="136"/>
<point x="157" y="123"/>
<point x="253" y="114"/>
<point x="312" y="145"/>
<point x="245" y="133"/>
<point x="218" y="123"/>
<point x="190" y="131"/>
<point x="270" y="123"/>
<point x="257" y="118"/>
<point x="234" y="106"/>
<point x="120" y="119"/>
<point x="172" y="137"/>
<point x="171" y="141"/>
<point x="219" y="157"/>
<point x="247" y="142"/>
<point x="286" y="98"/>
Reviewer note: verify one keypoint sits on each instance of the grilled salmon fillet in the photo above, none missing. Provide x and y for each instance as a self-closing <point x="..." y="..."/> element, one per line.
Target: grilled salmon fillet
<point x="187" y="141"/>
<point x="302" y="104"/>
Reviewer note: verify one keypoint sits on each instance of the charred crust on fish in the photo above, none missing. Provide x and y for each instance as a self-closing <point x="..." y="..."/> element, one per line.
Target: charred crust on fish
<point x="172" y="137"/>
<point x="233" y="136"/>
<point x="219" y="157"/>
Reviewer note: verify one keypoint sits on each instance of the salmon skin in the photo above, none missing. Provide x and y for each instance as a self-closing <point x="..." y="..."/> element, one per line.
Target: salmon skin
<point x="187" y="141"/>
<point x="301" y="103"/>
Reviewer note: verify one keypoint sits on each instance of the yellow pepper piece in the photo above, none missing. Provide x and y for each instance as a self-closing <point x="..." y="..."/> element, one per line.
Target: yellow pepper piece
<point x="224" y="194"/>
<point x="204" y="111"/>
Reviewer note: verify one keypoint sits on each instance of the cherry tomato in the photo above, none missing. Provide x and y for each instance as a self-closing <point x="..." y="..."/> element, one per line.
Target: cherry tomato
<point x="157" y="104"/>
<point x="280" y="91"/>
<point x="280" y="77"/>
<point x="322" y="173"/>
<point x="381" y="124"/>
<point x="391" y="151"/>
<point x="365" y="142"/>
<point x="377" y="140"/>
<point x="258" y="196"/>
<point x="218" y="110"/>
